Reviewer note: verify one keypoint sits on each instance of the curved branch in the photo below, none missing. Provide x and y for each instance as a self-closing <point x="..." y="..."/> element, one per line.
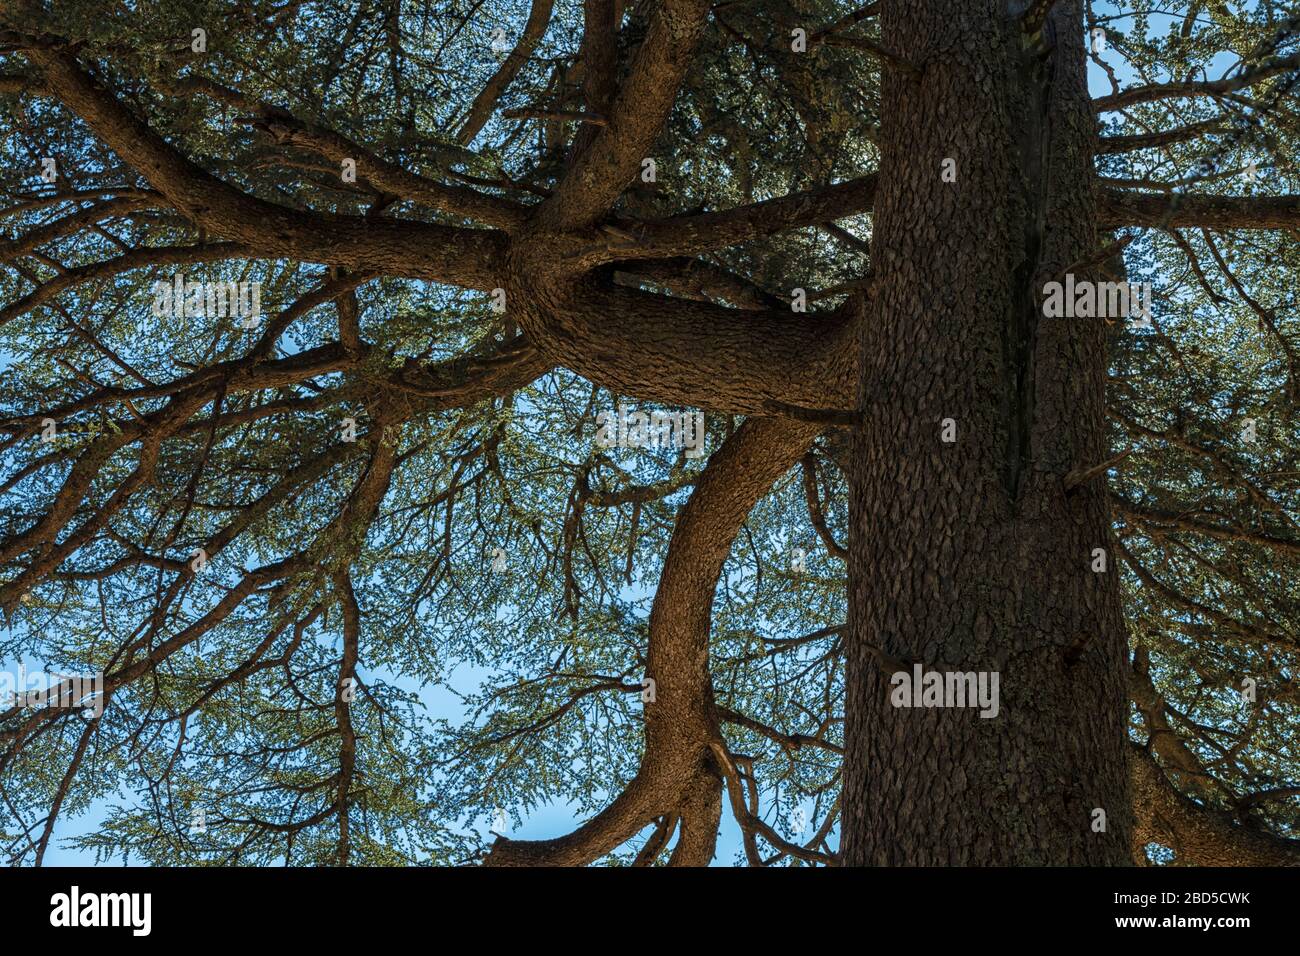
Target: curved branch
<point x="1198" y="835"/>
<point x="539" y="17"/>
<point x="681" y="724"/>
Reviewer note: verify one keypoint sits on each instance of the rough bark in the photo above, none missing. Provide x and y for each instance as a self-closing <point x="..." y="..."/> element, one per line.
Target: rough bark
<point x="1121" y="208"/>
<point x="701" y="812"/>
<point x="971" y="556"/>
<point x="1198" y="835"/>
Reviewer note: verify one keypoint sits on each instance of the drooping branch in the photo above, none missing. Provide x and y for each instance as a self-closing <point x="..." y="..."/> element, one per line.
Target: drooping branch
<point x="143" y="663"/>
<point x="1267" y="319"/>
<point x="334" y="546"/>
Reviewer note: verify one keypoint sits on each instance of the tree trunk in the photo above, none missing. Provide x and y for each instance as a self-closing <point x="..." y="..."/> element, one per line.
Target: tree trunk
<point x="971" y="555"/>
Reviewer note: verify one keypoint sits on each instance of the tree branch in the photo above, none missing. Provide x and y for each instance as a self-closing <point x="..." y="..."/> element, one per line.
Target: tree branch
<point x="692" y="235"/>
<point x="539" y="17"/>
<point x="596" y="178"/>
<point x="681" y="725"/>
<point x="1120" y="208"/>
<point x="464" y="257"/>
<point x="1198" y="835"/>
<point x="1161" y="91"/>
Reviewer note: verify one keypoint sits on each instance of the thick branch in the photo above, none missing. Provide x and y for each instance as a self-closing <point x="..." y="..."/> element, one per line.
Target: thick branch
<point x="600" y="174"/>
<point x="1119" y="208"/>
<point x="681" y="725"/>
<point x="1198" y="835"/>
<point x="679" y="352"/>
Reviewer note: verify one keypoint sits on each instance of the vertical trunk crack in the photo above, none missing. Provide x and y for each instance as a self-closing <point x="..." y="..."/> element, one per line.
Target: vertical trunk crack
<point x="1020" y="333"/>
